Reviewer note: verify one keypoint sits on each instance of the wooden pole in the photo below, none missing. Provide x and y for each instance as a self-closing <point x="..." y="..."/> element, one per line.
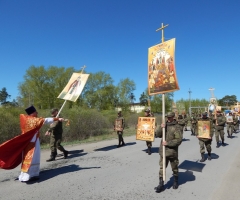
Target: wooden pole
<point x="163" y="115"/>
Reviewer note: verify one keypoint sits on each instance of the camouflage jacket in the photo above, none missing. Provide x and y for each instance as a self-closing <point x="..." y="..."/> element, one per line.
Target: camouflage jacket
<point x="220" y="122"/>
<point x="173" y="137"/>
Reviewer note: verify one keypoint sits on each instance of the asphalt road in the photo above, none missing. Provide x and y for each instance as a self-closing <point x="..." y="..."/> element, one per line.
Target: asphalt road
<point x="100" y="171"/>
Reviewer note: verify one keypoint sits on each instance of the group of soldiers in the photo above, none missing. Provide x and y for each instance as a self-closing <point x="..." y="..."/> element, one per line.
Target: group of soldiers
<point x="174" y="129"/>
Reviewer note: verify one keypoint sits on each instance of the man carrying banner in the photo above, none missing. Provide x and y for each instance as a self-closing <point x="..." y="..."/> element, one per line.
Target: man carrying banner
<point x="25" y="148"/>
<point x="119" y="127"/>
<point x="207" y="140"/>
<point x="219" y="128"/>
<point x="173" y="138"/>
<point x="55" y="132"/>
<point x="147" y="113"/>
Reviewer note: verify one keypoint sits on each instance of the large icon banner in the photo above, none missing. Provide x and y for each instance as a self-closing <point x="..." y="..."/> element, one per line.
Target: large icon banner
<point x="162" y="76"/>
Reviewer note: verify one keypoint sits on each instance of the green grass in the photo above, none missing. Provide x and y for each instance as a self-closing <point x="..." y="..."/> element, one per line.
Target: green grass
<point x="109" y="136"/>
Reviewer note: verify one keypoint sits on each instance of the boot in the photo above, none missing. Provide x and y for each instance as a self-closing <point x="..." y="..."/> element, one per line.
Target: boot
<point x="52" y="157"/>
<point x="209" y="156"/>
<point x="223" y="144"/>
<point x="218" y="145"/>
<point x="175" y="183"/>
<point x="149" y="151"/>
<point x="160" y="187"/>
<point x="123" y="143"/>
<point x="65" y="153"/>
<point x="203" y="158"/>
<point x="228" y="134"/>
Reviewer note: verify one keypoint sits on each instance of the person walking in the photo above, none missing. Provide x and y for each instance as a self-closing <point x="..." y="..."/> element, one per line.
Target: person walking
<point x="55" y="131"/>
<point x="219" y="128"/>
<point x="205" y="141"/>
<point x="173" y="138"/>
<point x="120" y="119"/>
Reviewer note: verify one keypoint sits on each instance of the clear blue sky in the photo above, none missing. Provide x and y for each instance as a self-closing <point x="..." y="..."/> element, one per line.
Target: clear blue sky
<point x="114" y="36"/>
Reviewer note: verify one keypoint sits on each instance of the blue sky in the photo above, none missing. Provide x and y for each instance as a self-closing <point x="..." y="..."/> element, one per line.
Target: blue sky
<point x="114" y="36"/>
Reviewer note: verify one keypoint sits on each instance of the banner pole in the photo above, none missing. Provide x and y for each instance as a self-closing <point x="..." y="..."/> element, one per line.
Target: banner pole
<point x="61" y="108"/>
<point x="163" y="137"/>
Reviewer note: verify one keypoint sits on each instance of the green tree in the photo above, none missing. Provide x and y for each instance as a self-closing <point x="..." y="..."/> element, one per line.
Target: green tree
<point x="124" y="89"/>
<point x="227" y="100"/>
<point x="99" y="92"/>
<point x="41" y="86"/>
<point x="143" y="99"/>
<point x="4" y="95"/>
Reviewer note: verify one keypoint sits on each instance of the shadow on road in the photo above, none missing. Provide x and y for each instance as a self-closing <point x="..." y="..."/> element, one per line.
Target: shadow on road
<point x="108" y="148"/>
<point x="153" y="150"/>
<point x="72" y="154"/>
<point x="183" y="177"/>
<point x="51" y="173"/>
<point x="191" y="166"/>
<point x="184" y="140"/>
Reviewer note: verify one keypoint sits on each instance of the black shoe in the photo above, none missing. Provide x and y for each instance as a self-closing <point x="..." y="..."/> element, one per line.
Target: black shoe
<point x="185" y="129"/>
<point x="65" y="153"/>
<point x="118" y="146"/>
<point x="149" y="151"/>
<point x="160" y="187"/>
<point x="218" y="145"/>
<point x="223" y="144"/>
<point x="123" y="144"/>
<point x="203" y="158"/>
<point x="175" y="183"/>
<point x="50" y="159"/>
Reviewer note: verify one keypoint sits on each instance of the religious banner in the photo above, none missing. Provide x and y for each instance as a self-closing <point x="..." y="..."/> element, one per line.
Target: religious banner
<point x="203" y="129"/>
<point x="74" y="87"/>
<point x="146" y="129"/>
<point x="118" y="125"/>
<point x="162" y="76"/>
<point x="229" y="118"/>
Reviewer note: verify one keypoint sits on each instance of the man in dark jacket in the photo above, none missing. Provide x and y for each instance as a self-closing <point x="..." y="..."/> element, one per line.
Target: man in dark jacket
<point x="55" y="131"/>
<point x="173" y="138"/>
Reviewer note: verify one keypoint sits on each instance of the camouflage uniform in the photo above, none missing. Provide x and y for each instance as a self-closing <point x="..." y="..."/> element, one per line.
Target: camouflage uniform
<point x="186" y="122"/>
<point x="181" y="122"/>
<point x="235" y="123"/>
<point x="230" y="127"/>
<point x="56" y="137"/>
<point x="219" y="129"/>
<point x="120" y="133"/>
<point x="148" y="143"/>
<point x="173" y="137"/>
<point x="193" y="121"/>
<point x="205" y="141"/>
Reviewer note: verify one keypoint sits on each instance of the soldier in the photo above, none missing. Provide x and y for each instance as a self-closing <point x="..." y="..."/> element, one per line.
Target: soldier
<point x="147" y="113"/>
<point x="181" y="122"/>
<point x="219" y="128"/>
<point x="193" y="121"/>
<point x="230" y="127"/>
<point x="205" y="141"/>
<point x="235" y="123"/>
<point x="120" y="133"/>
<point x="186" y="121"/>
<point x="173" y="138"/>
<point x="55" y="131"/>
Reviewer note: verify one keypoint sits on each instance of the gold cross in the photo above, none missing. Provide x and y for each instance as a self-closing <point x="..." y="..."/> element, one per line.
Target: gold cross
<point x="162" y="28"/>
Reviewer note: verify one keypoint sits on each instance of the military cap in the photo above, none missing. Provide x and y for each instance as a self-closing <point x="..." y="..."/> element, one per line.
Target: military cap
<point x="147" y="110"/>
<point x="54" y="110"/>
<point x="170" y="114"/>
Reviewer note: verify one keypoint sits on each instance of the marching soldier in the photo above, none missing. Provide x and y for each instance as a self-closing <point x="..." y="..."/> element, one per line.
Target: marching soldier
<point x="219" y="128"/>
<point x="120" y="133"/>
<point x="181" y="122"/>
<point x="235" y="123"/>
<point x="193" y="121"/>
<point x="147" y="113"/>
<point x="173" y="138"/>
<point x="186" y="121"/>
<point x="205" y="141"/>
<point x="230" y="127"/>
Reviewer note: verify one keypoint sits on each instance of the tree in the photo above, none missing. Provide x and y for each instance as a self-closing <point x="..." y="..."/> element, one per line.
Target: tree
<point x="124" y="89"/>
<point x="143" y="99"/>
<point x="4" y="95"/>
<point x="42" y="85"/>
<point x="227" y="100"/>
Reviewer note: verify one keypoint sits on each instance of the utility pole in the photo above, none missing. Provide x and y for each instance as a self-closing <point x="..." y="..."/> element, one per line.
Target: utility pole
<point x="190" y="102"/>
